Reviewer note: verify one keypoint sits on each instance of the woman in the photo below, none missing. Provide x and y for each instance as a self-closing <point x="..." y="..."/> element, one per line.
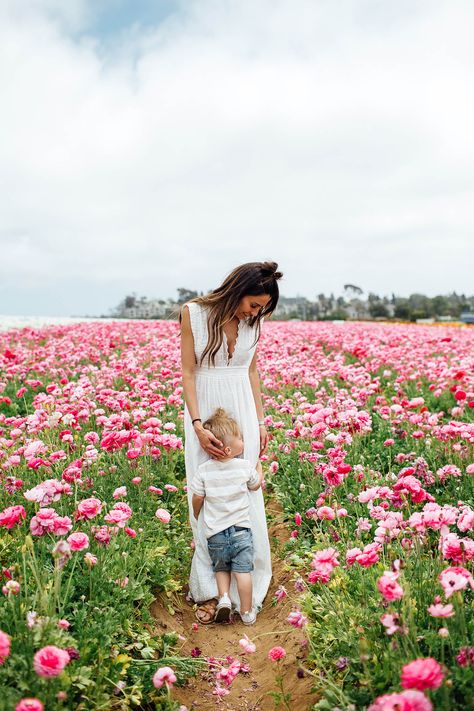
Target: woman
<point x="219" y="335"/>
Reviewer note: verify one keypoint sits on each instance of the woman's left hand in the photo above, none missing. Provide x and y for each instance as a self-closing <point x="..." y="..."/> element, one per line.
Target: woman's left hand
<point x="264" y="437"/>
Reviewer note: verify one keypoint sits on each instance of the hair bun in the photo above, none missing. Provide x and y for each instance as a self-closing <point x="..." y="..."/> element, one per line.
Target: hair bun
<point x="272" y="268"/>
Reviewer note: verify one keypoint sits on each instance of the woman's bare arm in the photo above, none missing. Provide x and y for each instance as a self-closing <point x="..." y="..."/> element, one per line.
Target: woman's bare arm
<point x="255" y="383"/>
<point x="188" y="363"/>
<point x="208" y="442"/>
<point x="257" y="396"/>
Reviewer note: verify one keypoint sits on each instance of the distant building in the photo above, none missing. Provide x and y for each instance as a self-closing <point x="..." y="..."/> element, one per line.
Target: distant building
<point x="467" y="317"/>
<point x="144" y="308"/>
<point x="292" y="307"/>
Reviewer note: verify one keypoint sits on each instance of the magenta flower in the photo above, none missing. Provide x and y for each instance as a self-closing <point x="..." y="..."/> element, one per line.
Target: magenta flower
<point x="276" y="653"/>
<point x="4" y="646"/>
<point x="422" y="674"/>
<point x="50" y="661"/>
<point x="29" y="704"/>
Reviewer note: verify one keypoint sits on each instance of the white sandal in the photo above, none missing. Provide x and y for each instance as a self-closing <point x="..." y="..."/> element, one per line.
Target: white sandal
<point x="223" y="609"/>
<point x="248" y="618"/>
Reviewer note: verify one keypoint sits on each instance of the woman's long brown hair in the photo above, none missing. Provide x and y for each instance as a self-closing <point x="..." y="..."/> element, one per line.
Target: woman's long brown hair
<point x="250" y="279"/>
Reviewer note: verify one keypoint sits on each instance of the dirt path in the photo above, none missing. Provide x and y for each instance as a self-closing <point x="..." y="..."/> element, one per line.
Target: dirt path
<point x="249" y="691"/>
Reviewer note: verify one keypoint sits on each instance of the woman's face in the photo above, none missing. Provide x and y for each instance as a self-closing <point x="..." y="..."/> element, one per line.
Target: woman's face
<point x="251" y="305"/>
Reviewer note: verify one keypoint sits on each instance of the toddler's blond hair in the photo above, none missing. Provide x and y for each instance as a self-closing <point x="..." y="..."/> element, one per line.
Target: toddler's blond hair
<point x="222" y="425"/>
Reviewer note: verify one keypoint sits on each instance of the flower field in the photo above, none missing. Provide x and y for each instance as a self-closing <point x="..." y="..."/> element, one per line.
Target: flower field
<point x="371" y="460"/>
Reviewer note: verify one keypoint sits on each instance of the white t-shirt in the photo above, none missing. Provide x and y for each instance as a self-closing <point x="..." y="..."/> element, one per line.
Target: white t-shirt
<point x="225" y="486"/>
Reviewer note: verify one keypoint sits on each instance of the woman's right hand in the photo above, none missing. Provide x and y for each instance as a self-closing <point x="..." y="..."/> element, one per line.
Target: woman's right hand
<point x="209" y="442"/>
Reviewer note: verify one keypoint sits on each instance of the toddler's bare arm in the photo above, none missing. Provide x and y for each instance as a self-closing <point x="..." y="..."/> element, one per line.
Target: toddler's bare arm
<point x="197" y="504"/>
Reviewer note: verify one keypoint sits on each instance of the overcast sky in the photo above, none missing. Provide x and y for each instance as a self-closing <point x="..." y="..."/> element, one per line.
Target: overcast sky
<point x="150" y="145"/>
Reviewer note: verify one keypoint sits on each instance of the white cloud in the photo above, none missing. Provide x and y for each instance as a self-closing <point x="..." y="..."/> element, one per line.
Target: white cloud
<point x="334" y="137"/>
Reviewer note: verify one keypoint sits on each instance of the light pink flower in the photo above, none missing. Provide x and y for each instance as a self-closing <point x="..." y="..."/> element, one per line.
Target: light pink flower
<point x="422" y="674"/>
<point x="390" y="622"/>
<point x="454" y="579"/>
<point x="247" y="646"/>
<point x="120" y="492"/>
<point x="388" y="586"/>
<point x="78" y="541"/>
<point x="297" y="619"/>
<point x="50" y="661"/>
<point x="326" y="513"/>
<point x="88" y="508"/>
<point x="117" y="516"/>
<point x="220" y="691"/>
<point x="162" y="676"/>
<point x="163" y="515"/>
<point x="11" y="587"/>
<point x="441" y="610"/>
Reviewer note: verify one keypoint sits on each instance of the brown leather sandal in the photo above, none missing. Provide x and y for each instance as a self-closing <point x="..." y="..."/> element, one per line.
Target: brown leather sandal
<point x="209" y="610"/>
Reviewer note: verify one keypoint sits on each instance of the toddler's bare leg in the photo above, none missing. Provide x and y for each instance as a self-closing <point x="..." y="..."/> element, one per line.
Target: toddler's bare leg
<point x="244" y="586"/>
<point x="223" y="582"/>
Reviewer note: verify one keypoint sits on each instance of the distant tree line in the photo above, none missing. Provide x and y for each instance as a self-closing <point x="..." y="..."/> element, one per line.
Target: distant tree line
<point x="352" y="305"/>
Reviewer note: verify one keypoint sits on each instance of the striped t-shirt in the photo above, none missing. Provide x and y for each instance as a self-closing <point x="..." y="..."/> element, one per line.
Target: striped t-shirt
<point x="225" y="486"/>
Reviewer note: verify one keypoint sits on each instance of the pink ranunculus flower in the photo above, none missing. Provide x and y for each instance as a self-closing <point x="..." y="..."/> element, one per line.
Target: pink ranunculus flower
<point x="119" y="492"/>
<point x="438" y="610"/>
<point x="276" y="653"/>
<point x="410" y="700"/>
<point x="50" y="661"/>
<point x="421" y="674"/>
<point x="4" y="646"/>
<point x="280" y="593"/>
<point x="390" y="622"/>
<point x="78" y="541"/>
<point x="62" y="525"/>
<point x="297" y="619"/>
<point x="11" y="587"/>
<point x="29" y="704"/>
<point x="88" y="508"/>
<point x="454" y="579"/>
<point x="388" y="586"/>
<point x="90" y="559"/>
<point x="163" y="515"/>
<point x="133" y="453"/>
<point x="246" y="645"/>
<point x="12" y="515"/>
<point x="162" y="676"/>
<point x="326" y="513"/>
<point x="118" y="517"/>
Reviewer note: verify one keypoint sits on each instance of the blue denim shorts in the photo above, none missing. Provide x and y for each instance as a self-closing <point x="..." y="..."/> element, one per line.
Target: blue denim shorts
<point x="231" y="550"/>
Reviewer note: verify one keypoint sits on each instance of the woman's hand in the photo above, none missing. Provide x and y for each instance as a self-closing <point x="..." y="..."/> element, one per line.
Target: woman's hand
<point x="264" y="438"/>
<point x="210" y="444"/>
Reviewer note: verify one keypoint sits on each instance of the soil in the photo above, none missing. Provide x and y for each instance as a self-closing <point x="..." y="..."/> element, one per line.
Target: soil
<point x="249" y="691"/>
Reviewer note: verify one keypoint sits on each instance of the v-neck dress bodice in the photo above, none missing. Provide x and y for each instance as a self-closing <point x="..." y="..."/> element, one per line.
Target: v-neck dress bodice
<point x="227" y="385"/>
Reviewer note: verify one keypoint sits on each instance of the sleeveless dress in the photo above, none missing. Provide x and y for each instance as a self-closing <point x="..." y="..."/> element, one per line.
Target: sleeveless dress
<point x="226" y="385"/>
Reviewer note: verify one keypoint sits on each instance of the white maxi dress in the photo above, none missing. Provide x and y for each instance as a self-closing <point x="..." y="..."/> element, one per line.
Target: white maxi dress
<point x="226" y="385"/>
